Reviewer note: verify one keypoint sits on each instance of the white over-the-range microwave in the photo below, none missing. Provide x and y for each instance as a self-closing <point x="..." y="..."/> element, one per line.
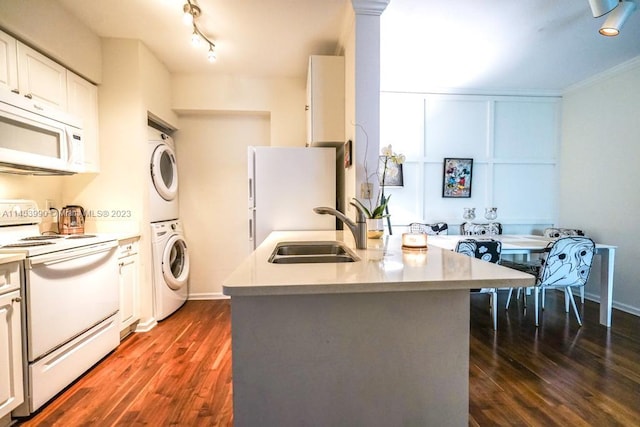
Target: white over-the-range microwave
<point x="38" y="141"/>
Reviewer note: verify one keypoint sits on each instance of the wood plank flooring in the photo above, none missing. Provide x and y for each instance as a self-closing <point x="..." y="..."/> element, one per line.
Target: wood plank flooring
<point x="179" y="373"/>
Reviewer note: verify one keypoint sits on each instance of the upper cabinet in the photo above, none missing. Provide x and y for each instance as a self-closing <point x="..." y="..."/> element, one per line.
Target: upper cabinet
<point x="83" y="102"/>
<point x="8" y="63"/>
<point x="41" y="79"/>
<point x="50" y="86"/>
<point x="325" y="100"/>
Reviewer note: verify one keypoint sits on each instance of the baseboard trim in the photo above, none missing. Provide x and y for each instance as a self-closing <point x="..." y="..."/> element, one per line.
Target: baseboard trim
<point x="207" y="296"/>
<point x="617" y="305"/>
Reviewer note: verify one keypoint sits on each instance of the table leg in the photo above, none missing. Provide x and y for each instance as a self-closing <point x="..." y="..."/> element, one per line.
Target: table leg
<point x="606" y="284"/>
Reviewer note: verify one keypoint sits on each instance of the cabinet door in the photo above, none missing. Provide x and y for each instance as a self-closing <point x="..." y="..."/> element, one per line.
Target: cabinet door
<point x="325" y="99"/>
<point x="41" y="79"/>
<point x="129" y="312"/>
<point x="11" y="380"/>
<point x="8" y="63"/>
<point x="82" y="97"/>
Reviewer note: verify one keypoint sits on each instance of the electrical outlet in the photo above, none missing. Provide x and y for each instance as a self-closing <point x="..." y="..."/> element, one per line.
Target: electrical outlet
<point x="366" y="188"/>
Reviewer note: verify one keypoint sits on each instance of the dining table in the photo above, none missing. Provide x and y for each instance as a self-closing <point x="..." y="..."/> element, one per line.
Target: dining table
<point x="527" y="244"/>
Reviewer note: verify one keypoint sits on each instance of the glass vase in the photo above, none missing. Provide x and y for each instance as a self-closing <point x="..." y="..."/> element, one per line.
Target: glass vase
<point x="375" y="228"/>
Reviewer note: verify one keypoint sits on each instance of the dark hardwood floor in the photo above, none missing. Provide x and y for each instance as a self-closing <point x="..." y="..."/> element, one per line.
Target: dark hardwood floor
<point x="559" y="374"/>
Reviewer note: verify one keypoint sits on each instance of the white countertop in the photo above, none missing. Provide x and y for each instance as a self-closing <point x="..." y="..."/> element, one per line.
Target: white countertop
<point x="383" y="267"/>
<point x="7" y="258"/>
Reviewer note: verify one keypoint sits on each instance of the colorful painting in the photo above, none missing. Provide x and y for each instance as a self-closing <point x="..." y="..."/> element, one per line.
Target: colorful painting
<point x="457" y="177"/>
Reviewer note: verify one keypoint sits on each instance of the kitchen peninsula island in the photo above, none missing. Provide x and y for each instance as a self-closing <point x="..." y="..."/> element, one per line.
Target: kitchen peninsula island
<point x="378" y="342"/>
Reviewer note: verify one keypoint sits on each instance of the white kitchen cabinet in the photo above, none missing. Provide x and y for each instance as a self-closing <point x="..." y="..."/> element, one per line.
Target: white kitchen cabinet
<point x="129" y="267"/>
<point x="41" y="79"/>
<point x="325" y="100"/>
<point x="82" y="97"/>
<point x="8" y="63"/>
<point x="11" y="373"/>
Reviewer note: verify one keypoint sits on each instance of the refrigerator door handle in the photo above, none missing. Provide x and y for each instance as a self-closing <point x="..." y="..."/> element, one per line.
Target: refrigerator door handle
<point x="250" y="189"/>
<point x="250" y="229"/>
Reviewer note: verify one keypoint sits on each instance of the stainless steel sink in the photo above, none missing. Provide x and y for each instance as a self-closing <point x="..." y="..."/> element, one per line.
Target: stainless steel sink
<point x="311" y="252"/>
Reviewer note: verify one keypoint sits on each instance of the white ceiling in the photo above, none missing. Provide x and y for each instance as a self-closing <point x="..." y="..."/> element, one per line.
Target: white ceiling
<point x="498" y="45"/>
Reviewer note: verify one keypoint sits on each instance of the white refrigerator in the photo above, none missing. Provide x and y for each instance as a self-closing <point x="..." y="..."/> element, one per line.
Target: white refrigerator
<point x="285" y="184"/>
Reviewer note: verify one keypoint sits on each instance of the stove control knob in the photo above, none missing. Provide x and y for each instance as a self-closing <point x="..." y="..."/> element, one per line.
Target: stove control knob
<point x="16" y="299"/>
<point x="173" y="227"/>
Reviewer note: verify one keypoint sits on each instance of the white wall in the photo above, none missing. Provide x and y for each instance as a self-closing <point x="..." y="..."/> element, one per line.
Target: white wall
<point x="211" y="150"/>
<point x="283" y="99"/>
<point x="218" y="118"/>
<point x="599" y="174"/>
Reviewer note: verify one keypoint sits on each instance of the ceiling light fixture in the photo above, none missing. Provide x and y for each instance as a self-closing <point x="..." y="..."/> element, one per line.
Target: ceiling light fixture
<point x="191" y="13"/>
<point x="616" y="19"/>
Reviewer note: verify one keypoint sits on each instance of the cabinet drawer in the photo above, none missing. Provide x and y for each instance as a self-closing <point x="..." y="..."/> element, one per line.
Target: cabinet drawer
<point x="9" y="277"/>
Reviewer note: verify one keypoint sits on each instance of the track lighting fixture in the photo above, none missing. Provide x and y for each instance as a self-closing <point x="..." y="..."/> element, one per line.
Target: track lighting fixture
<point x="191" y="12"/>
<point x="616" y="19"/>
<point x="618" y="11"/>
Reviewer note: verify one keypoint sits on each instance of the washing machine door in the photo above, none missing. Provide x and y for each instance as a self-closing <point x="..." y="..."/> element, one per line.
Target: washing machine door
<point x="175" y="263"/>
<point x="164" y="172"/>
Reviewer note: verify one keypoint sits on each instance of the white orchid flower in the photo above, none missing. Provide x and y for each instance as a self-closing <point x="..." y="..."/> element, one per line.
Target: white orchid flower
<point x="387" y="151"/>
<point x="399" y="159"/>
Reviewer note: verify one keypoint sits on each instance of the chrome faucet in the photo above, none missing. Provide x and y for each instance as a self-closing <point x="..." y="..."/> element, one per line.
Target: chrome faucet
<point x="358" y="228"/>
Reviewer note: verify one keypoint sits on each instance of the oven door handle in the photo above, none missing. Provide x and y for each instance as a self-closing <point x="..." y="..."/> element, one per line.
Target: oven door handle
<point x="55" y="258"/>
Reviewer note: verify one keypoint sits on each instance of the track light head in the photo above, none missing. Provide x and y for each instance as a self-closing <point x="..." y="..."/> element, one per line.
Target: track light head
<point x="616" y="19"/>
<point x="190" y="12"/>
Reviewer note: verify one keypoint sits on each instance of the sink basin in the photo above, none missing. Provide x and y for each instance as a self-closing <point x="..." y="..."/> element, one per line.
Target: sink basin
<point x="311" y="252"/>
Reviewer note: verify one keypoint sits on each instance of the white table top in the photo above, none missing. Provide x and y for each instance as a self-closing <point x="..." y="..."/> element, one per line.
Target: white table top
<point x="383" y="267"/>
<point x="510" y="242"/>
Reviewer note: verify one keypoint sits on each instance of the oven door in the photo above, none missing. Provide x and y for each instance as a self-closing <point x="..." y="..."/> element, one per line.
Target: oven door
<point x="68" y="292"/>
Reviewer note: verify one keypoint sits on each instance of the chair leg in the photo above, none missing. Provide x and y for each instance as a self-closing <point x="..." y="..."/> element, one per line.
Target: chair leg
<point x="569" y="294"/>
<point x="582" y="294"/>
<point x="506" y="307"/>
<point x="566" y="300"/>
<point x="543" y="295"/>
<point x="494" y="308"/>
<point x="536" y="290"/>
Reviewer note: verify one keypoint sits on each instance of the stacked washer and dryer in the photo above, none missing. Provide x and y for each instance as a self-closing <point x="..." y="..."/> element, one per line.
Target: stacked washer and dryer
<point x="170" y="259"/>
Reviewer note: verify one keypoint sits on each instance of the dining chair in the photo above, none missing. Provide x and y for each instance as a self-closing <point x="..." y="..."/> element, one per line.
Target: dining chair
<point x="480" y="229"/>
<point x="430" y="229"/>
<point x="486" y="250"/>
<point x="554" y="233"/>
<point x="566" y="263"/>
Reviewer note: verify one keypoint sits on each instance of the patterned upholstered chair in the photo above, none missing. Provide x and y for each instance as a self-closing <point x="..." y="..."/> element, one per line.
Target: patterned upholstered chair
<point x="566" y="263"/>
<point x="486" y="250"/>
<point x="475" y="229"/>
<point x="430" y="229"/>
<point x="554" y="233"/>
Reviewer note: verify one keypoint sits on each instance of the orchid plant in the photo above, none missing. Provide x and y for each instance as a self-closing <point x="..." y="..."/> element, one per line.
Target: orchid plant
<point x="388" y="162"/>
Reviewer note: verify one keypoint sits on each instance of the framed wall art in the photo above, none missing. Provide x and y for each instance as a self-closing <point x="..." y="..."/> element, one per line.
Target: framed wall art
<point x="456" y="181"/>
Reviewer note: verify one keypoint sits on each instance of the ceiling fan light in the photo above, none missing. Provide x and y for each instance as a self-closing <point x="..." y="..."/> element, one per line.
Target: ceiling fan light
<point x="602" y="7"/>
<point x="617" y="18"/>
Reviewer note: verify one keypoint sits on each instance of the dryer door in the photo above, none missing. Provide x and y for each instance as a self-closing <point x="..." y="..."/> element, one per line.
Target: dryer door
<point x="175" y="262"/>
<point x="164" y="172"/>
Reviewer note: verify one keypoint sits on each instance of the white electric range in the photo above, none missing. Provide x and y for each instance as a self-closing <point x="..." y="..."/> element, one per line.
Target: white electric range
<point x="70" y="296"/>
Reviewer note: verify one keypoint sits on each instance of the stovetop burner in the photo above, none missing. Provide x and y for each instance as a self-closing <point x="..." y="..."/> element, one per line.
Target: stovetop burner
<point x="47" y="237"/>
<point x="28" y="244"/>
<point x="81" y="236"/>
